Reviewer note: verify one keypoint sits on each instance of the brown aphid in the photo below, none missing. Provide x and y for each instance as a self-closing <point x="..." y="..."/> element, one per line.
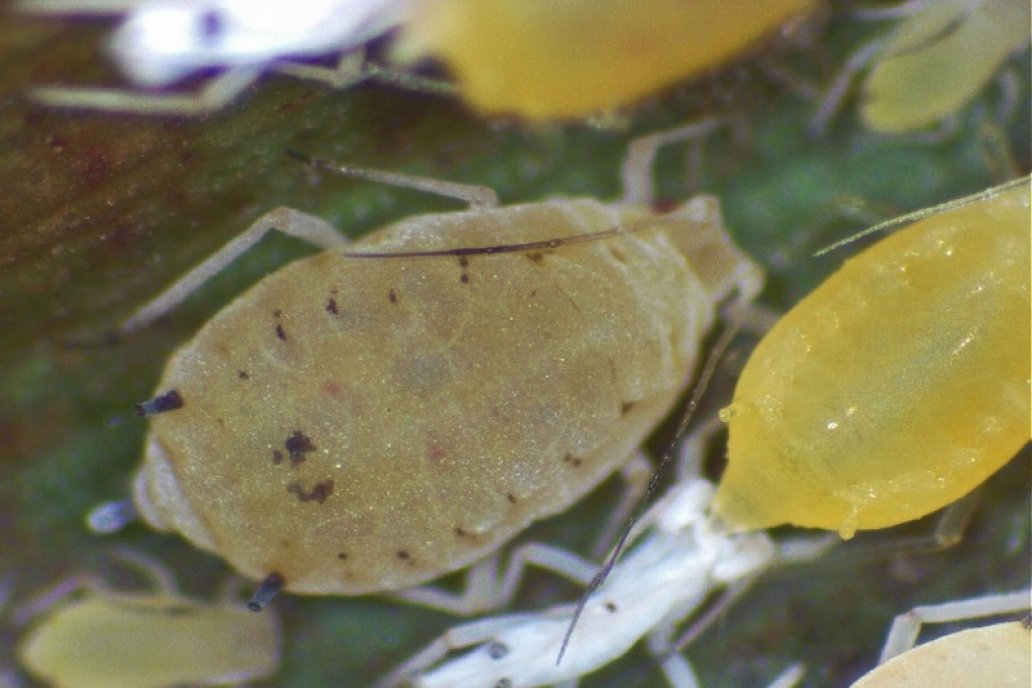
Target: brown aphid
<point x="450" y="397"/>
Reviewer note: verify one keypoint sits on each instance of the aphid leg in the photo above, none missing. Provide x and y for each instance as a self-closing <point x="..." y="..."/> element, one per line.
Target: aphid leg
<point x="159" y="577"/>
<point x="40" y="603"/>
<point x="485" y="590"/>
<point x="353" y="68"/>
<point x="478" y="592"/>
<point x="833" y="98"/>
<point x="77" y="7"/>
<point x="458" y="638"/>
<point x="636" y="173"/>
<point x="287" y="220"/>
<point x="213" y="96"/>
<point x="635" y="476"/>
<point x="906" y="627"/>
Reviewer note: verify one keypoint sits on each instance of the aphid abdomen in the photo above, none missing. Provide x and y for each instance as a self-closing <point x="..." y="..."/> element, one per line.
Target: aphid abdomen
<point x="574" y="59"/>
<point x="366" y="424"/>
<point x="897" y="386"/>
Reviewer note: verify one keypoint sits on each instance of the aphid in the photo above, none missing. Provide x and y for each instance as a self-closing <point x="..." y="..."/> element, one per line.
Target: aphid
<point x="898" y="385"/>
<point x="572" y="60"/>
<point x="933" y="64"/>
<point x="161" y="42"/>
<point x="104" y="637"/>
<point x="999" y="655"/>
<point x="683" y="554"/>
<point x="372" y="417"/>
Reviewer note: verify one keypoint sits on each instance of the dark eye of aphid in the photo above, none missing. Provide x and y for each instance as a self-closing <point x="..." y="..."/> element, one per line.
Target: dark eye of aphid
<point x="211" y="26"/>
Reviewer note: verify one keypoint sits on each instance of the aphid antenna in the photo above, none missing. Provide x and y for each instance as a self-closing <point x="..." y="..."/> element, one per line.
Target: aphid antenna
<point x="708" y="370"/>
<point x="475" y="196"/>
<point x="923" y="213"/>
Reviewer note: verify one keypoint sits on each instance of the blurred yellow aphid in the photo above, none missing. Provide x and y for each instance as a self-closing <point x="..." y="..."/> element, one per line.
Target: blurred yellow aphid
<point x="103" y="638"/>
<point x="370" y="418"/>
<point x="996" y="656"/>
<point x="934" y="63"/>
<point x="898" y="385"/>
<point x="573" y="59"/>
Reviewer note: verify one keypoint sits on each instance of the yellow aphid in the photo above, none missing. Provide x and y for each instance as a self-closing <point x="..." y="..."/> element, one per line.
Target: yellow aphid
<point x="109" y="639"/>
<point x="358" y="423"/>
<point x="939" y="59"/>
<point x="999" y="655"/>
<point x="898" y="385"/>
<point x="574" y="59"/>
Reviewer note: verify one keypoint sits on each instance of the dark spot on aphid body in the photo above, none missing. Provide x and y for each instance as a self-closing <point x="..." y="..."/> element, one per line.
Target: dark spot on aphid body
<point x="281" y="334"/>
<point x="277" y="457"/>
<point x="610" y="607"/>
<point x="497" y="650"/>
<point x="331" y="307"/>
<point x="536" y="257"/>
<point x="461" y="532"/>
<point x="392" y="296"/>
<point x="319" y="493"/>
<point x="297" y="445"/>
<point x="572" y="460"/>
<point x="269" y="588"/>
<point x="503" y="683"/>
<point x="435" y="453"/>
<point x="463" y="264"/>
<point x="242" y="374"/>
<point x="211" y="27"/>
<point x="403" y="555"/>
<point x="511" y="497"/>
<point x="464" y="278"/>
<point x="342" y="556"/>
<point x="626" y="407"/>
<point x="169" y="401"/>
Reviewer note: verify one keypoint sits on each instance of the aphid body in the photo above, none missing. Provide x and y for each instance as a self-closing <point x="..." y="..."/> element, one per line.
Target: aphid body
<point x="357" y="424"/>
<point x="571" y="60"/>
<point x="681" y="556"/>
<point x="114" y="639"/>
<point x="999" y="655"/>
<point x="160" y="42"/>
<point x="937" y="61"/>
<point x="897" y="386"/>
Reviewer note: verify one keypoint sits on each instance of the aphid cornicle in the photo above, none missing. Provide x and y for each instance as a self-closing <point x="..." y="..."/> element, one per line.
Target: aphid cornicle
<point x="897" y="386"/>
<point x="360" y="424"/>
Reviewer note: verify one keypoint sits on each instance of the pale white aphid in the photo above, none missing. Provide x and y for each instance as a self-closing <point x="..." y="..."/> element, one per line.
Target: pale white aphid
<point x="682" y="555"/>
<point x="997" y="655"/>
<point x="160" y="42"/>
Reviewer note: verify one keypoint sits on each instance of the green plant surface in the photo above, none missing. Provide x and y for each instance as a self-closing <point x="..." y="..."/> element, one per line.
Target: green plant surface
<point x="99" y="211"/>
